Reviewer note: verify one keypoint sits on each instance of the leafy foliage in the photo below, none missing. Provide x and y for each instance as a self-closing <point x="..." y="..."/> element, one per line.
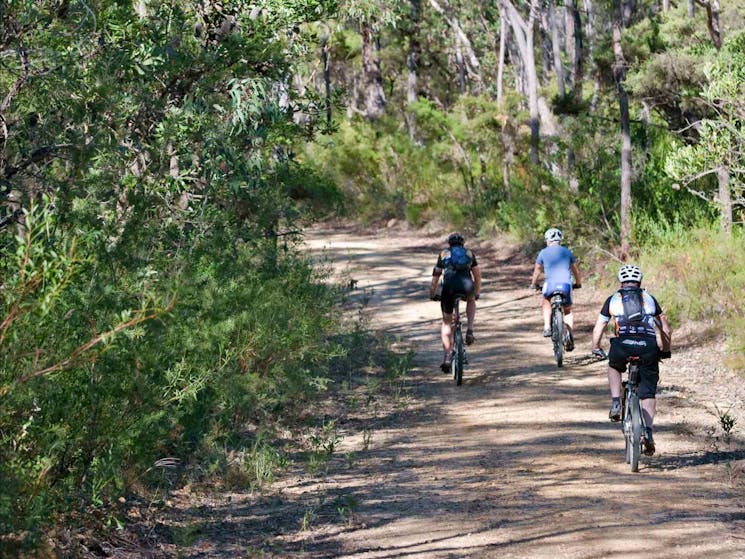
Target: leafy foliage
<point x="155" y="303"/>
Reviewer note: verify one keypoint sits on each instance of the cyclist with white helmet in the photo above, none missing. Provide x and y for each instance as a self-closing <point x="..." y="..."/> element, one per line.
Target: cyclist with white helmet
<point x="637" y="316"/>
<point x="559" y="266"/>
<point x="461" y="276"/>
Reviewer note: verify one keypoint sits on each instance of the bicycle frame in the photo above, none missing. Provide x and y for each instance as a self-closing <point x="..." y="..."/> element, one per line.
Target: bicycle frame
<point x="458" y="353"/>
<point x="558" y="330"/>
<point x="632" y="418"/>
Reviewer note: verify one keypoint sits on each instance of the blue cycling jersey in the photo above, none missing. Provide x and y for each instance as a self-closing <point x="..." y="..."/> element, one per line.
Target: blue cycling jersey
<point x="556" y="261"/>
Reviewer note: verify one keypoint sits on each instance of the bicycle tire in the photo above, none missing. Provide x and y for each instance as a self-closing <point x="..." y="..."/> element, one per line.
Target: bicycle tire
<point x="458" y="358"/>
<point x="557" y="335"/>
<point x="626" y="424"/>
<point x="636" y="432"/>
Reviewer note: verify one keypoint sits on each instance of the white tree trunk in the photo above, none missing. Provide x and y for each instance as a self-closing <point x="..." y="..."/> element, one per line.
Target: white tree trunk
<point x="472" y="61"/>
<point x="523" y="32"/>
<point x="503" y="31"/>
<point x="724" y="199"/>
<point x="619" y="71"/>
<point x="375" y="101"/>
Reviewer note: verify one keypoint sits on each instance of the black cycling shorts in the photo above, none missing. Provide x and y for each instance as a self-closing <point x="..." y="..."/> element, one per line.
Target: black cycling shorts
<point x="452" y="286"/>
<point x="645" y="348"/>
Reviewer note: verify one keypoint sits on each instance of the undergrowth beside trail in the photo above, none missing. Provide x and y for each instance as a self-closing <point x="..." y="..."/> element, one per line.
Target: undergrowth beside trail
<point x="699" y="275"/>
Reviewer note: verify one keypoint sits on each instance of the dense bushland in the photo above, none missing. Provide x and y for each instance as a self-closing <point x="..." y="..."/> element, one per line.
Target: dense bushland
<point x="109" y="367"/>
<point x="157" y="311"/>
<point x="158" y="161"/>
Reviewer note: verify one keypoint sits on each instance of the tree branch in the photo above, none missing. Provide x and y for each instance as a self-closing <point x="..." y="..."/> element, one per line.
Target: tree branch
<point x="81" y="350"/>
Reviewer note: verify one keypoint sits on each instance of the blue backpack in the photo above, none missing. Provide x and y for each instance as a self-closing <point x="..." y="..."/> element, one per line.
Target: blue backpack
<point x="459" y="259"/>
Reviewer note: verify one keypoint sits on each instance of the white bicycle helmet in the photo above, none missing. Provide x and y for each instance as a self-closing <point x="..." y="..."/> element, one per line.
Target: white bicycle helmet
<point x="629" y="272"/>
<point x="553" y="235"/>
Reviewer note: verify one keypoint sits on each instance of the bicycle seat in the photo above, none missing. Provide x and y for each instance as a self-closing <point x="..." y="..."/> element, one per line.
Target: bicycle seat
<point x="557" y="296"/>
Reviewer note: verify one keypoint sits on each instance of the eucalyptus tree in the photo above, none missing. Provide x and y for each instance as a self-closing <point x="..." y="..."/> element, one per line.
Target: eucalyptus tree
<point x="574" y="49"/>
<point x="621" y="18"/>
<point x="468" y="64"/>
<point x="523" y="32"/>
<point x="370" y="17"/>
<point x="718" y="152"/>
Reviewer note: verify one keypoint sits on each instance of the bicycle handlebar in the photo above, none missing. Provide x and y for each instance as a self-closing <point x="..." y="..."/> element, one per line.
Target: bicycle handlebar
<point x="438" y="297"/>
<point x="600" y="354"/>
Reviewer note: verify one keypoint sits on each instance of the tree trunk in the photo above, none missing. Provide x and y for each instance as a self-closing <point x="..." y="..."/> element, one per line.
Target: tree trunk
<point x="472" y="62"/>
<point x="691" y="8"/>
<point x="503" y="31"/>
<point x="326" y="76"/>
<point x="412" y="65"/>
<point x="524" y="32"/>
<point x="574" y="48"/>
<point x="532" y="79"/>
<point x="412" y="58"/>
<point x="546" y="47"/>
<point x="375" y="100"/>
<point x="518" y="65"/>
<point x="508" y="157"/>
<point x="173" y="163"/>
<point x="724" y="199"/>
<point x="627" y="10"/>
<point x="619" y="73"/>
<point x="712" y="21"/>
<point x="555" y="40"/>
<point x="461" y="65"/>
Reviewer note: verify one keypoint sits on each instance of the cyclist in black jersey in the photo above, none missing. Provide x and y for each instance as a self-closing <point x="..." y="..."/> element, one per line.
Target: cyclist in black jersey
<point x="637" y="316"/>
<point x="461" y="275"/>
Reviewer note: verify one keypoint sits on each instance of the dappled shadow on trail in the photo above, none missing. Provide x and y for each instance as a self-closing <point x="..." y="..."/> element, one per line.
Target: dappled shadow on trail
<point x="519" y="461"/>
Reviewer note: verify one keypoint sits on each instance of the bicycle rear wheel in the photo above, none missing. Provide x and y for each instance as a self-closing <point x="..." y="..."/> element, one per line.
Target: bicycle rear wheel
<point x="557" y="335"/>
<point x="459" y="357"/>
<point x="634" y="435"/>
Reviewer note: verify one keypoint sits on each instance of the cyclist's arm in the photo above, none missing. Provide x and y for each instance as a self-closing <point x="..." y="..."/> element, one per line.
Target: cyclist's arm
<point x="436" y="273"/>
<point x="476" y="272"/>
<point x="665" y="332"/>
<point x="597" y="331"/>
<point x="576" y="274"/>
<point x="537" y="269"/>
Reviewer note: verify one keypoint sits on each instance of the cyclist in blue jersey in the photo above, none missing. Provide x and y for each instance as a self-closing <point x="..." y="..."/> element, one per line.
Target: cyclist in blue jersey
<point x="461" y="275"/>
<point x="636" y="315"/>
<point x="559" y="266"/>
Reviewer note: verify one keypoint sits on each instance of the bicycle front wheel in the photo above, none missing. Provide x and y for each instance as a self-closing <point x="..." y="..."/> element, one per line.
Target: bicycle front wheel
<point x="459" y="357"/>
<point x="634" y="436"/>
<point x="557" y="335"/>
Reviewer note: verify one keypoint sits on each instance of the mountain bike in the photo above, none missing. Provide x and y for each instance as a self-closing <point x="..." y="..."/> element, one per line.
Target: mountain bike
<point x="458" y="355"/>
<point x="632" y="418"/>
<point x="560" y="336"/>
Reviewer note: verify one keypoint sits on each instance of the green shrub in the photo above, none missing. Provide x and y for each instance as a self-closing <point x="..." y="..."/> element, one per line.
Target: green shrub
<point x="99" y="383"/>
<point x="698" y="274"/>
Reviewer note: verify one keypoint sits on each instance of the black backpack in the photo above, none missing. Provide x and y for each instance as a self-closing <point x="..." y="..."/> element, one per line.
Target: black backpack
<point x="633" y="304"/>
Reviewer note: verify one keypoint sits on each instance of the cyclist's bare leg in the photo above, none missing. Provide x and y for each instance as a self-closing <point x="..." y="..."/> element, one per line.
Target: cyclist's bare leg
<point x="649" y="406"/>
<point x="569" y="318"/>
<point x="546" y="314"/>
<point x="614" y="382"/>
<point x="470" y="312"/>
<point x="446" y="334"/>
